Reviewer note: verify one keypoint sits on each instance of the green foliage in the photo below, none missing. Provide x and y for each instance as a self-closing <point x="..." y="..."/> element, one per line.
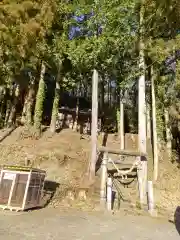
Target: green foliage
<point x="34" y="31"/>
<point x="105" y="51"/>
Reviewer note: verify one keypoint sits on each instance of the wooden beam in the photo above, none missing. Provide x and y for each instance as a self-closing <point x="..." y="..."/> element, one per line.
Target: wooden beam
<point x="109" y="194"/>
<point x="103" y="180"/>
<point x="121" y="165"/>
<point x="154" y="125"/>
<point x="122" y="152"/>
<point x="142" y="170"/>
<point x="151" y="209"/>
<point x="94" y="122"/>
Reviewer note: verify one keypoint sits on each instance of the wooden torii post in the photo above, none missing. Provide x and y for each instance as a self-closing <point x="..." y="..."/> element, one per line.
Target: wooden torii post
<point x="94" y="124"/>
<point x="139" y="154"/>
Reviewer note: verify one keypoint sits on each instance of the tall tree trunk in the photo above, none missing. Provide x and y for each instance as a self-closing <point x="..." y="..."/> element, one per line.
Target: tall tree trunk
<point x="142" y="171"/>
<point x="8" y="104"/>
<point x="24" y="111"/>
<point x="118" y="110"/>
<point x="121" y="130"/>
<point x="77" y="115"/>
<point x="148" y="121"/>
<point x="110" y="94"/>
<point x="55" y="107"/>
<point x="12" y="116"/>
<point x="8" y="110"/>
<point x="75" y="124"/>
<point x="118" y="118"/>
<point x="102" y="94"/>
<point x="2" y="104"/>
<point x="30" y="103"/>
<point x="168" y="133"/>
<point x="85" y="88"/>
<point x="154" y="125"/>
<point x="102" y="102"/>
<point x="1" y="114"/>
<point x="38" y="113"/>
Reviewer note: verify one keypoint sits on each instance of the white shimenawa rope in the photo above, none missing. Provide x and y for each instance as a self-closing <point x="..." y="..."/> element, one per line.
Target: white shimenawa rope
<point x="123" y="173"/>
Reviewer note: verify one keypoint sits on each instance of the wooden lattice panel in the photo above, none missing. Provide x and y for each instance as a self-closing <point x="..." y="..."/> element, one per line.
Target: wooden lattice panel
<point x="20" y="187"/>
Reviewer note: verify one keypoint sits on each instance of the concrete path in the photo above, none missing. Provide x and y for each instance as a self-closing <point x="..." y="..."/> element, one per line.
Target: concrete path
<point x="51" y="224"/>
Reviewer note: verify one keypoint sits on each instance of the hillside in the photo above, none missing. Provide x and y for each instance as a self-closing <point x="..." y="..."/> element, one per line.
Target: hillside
<point x="65" y="157"/>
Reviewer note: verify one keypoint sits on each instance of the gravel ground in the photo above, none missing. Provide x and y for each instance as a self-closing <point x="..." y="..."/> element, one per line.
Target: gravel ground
<point x="51" y="224"/>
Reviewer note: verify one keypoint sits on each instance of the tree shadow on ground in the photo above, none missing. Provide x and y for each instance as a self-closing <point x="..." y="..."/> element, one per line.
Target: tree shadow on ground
<point x="8" y="133"/>
<point x="177" y="219"/>
<point x="49" y="190"/>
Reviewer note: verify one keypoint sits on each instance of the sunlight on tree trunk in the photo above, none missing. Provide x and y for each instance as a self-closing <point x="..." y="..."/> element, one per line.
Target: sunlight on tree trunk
<point x="30" y="103"/>
<point x="55" y="108"/>
<point x="75" y="125"/>
<point x="40" y="100"/>
<point x="121" y="125"/>
<point x="148" y="121"/>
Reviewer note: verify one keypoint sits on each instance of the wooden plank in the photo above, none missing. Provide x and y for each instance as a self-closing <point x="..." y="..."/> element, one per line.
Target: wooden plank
<point x="120" y="162"/>
<point x="15" y="172"/>
<point x="94" y="121"/>
<point x="12" y="189"/>
<point x="122" y="152"/>
<point x="120" y="165"/>
<point x="154" y="125"/>
<point x="150" y="196"/>
<point x="26" y="190"/>
<point x="142" y="170"/>
<point x="21" y="169"/>
<point x="109" y="194"/>
<point x="103" y="180"/>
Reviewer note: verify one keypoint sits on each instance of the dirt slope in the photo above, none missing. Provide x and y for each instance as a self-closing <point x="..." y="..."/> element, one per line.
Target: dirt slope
<point x="65" y="157"/>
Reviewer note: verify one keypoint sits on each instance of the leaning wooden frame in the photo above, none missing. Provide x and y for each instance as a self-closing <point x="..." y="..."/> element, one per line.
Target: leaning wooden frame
<point x="21" y="187"/>
<point x="106" y="195"/>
